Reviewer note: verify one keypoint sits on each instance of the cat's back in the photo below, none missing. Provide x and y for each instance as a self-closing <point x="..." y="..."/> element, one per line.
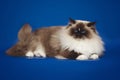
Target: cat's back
<point x="47" y="31"/>
<point x="44" y="36"/>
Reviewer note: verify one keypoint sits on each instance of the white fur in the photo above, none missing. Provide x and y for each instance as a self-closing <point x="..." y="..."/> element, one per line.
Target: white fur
<point x="60" y="57"/>
<point x="82" y="57"/>
<point x="40" y="51"/>
<point x="82" y="21"/>
<point x="29" y="54"/>
<point x="84" y="46"/>
<point x="94" y="56"/>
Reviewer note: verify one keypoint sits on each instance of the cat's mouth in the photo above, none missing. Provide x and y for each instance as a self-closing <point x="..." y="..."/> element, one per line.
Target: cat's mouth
<point x="79" y="33"/>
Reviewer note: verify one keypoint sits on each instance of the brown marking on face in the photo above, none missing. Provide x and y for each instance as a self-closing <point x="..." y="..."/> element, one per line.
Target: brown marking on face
<point x="80" y="25"/>
<point x="79" y="31"/>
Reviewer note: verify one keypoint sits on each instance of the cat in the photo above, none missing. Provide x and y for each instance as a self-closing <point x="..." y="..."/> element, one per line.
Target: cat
<point x="78" y="40"/>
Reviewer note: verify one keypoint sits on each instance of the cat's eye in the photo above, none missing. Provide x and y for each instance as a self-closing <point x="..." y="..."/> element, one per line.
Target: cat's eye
<point x="76" y="31"/>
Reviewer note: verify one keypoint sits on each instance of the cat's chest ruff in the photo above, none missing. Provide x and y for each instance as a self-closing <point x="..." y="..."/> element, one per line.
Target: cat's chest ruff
<point x="84" y="46"/>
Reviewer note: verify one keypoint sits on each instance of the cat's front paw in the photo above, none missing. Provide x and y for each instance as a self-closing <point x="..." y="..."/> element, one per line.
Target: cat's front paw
<point x="82" y="57"/>
<point x="29" y="54"/>
<point x="94" y="56"/>
<point x="39" y="53"/>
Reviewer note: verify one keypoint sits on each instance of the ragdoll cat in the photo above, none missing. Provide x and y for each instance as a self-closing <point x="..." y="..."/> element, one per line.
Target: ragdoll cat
<point x="78" y="40"/>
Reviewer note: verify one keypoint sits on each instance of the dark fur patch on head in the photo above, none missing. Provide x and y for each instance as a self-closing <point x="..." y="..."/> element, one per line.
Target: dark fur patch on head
<point x="80" y="25"/>
<point x="79" y="31"/>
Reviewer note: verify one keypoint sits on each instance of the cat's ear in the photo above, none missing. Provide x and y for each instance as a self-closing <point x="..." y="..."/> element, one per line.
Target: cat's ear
<point x="91" y="24"/>
<point x="72" y="21"/>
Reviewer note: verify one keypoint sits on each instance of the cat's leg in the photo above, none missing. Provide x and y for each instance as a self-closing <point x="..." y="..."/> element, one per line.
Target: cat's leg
<point x="94" y="56"/>
<point x="40" y="51"/>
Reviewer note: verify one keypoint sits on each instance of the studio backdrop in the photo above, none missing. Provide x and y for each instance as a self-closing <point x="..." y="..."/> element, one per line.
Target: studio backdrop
<point x="44" y="13"/>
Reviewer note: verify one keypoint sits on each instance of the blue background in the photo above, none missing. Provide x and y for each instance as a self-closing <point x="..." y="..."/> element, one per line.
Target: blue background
<point x="15" y="13"/>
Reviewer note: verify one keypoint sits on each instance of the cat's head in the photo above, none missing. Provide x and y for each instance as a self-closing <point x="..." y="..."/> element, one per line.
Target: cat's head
<point x="81" y="29"/>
